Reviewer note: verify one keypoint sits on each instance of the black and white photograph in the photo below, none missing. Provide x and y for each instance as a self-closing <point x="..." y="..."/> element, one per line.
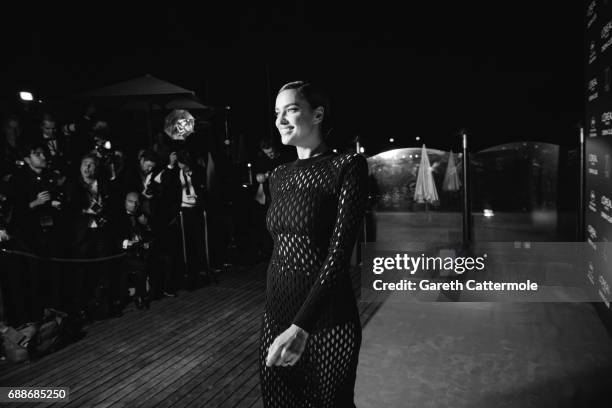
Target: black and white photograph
<point x="306" y="205"/>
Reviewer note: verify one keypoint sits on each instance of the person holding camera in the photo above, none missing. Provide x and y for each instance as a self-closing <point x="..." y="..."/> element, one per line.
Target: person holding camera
<point x="132" y="234"/>
<point x="55" y="146"/>
<point x="38" y="222"/>
<point x="10" y="276"/>
<point x="10" y="141"/>
<point x="141" y="178"/>
<point x="180" y="219"/>
<point x="90" y="204"/>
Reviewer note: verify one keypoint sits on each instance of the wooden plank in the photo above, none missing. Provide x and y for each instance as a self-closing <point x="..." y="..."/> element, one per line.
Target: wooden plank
<point x="82" y="348"/>
<point x="213" y="384"/>
<point x="199" y="354"/>
<point x="93" y="330"/>
<point x="236" y="391"/>
<point x="156" y="355"/>
<point x="219" y="367"/>
<point x="252" y="399"/>
<point x="126" y="394"/>
<point x="187" y="317"/>
<point x="86" y="358"/>
<point x="183" y="381"/>
<point x="200" y="349"/>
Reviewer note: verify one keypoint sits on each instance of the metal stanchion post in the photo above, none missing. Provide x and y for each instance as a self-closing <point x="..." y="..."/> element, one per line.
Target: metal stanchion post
<point x="209" y="271"/>
<point x="467" y="211"/>
<point x="183" y="238"/>
<point x="581" y="213"/>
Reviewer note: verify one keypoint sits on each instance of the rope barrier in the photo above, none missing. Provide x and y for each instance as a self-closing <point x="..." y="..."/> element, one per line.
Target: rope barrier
<point x="64" y="260"/>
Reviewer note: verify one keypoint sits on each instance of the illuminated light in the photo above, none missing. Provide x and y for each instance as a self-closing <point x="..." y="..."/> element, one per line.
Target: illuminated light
<point x="335" y="150"/>
<point x="391" y="140"/>
<point x="107" y="145"/>
<point x="417" y="138"/>
<point x="26" y="96"/>
<point x="362" y="150"/>
<point x="488" y="213"/>
<point x="248" y="164"/>
<point x="244" y="185"/>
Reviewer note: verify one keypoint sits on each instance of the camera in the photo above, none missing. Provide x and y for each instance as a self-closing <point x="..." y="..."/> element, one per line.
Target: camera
<point x="69" y="129"/>
<point x="52" y="185"/>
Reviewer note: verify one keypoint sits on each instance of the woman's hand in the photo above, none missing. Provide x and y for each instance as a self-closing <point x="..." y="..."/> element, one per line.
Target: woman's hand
<point x="287" y="348"/>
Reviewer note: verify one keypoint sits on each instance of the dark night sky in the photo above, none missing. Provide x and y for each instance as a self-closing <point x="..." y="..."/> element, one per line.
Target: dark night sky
<point x="505" y="72"/>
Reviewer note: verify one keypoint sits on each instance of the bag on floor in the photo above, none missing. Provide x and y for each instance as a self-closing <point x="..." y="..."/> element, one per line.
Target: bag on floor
<point x="50" y="334"/>
<point x="16" y="342"/>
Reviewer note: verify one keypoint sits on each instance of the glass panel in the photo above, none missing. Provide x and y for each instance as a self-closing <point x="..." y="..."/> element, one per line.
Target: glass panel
<point x="395" y="215"/>
<point x="516" y="190"/>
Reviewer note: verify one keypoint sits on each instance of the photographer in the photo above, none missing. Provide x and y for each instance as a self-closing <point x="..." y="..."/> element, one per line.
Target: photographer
<point x="112" y="162"/>
<point x="55" y="145"/>
<point x="90" y="203"/>
<point x="141" y="178"/>
<point x="180" y="222"/>
<point x="38" y="226"/>
<point x="79" y="134"/>
<point x="10" y="277"/>
<point x="132" y="234"/>
<point x="10" y="140"/>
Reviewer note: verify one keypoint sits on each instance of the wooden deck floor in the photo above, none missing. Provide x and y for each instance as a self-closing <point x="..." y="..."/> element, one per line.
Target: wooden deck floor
<point x="196" y="350"/>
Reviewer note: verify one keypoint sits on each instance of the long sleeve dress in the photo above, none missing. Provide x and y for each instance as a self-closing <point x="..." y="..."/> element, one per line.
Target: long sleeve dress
<point x="317" y="205"/>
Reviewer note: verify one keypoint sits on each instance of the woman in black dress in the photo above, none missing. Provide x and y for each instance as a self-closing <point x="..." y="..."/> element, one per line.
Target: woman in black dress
<point x="311" y="333"/>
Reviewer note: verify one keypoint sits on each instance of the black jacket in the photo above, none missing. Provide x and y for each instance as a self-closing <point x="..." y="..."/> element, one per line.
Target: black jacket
<point x="170" y="198"/>
<point x="79" y="201"/>
<point x="27" y="184"/>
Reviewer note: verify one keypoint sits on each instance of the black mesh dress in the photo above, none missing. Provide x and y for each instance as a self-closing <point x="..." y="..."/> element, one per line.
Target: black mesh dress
<point x="316" y="209"/>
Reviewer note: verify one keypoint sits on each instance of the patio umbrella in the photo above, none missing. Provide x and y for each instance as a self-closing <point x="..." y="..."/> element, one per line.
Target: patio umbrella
<point x="451" y="177"/>
<point x="179" y="102"/>
<point x="146" y="93"/>
<point x="144" y="86"/>
<point x="425" y="191"/>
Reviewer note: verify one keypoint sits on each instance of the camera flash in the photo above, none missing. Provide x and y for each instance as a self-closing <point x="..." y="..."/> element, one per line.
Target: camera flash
<point x="26" y="96"/>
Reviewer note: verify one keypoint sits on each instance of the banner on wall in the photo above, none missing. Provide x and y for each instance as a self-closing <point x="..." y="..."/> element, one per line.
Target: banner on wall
<point x="598" y="145"/>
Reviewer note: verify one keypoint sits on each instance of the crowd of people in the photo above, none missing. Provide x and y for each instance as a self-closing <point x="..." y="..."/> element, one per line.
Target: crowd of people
<point x="81" y="222"/>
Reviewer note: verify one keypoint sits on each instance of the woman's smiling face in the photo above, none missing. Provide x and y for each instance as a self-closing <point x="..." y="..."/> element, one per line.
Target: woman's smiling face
<point x="295" y="119"/>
